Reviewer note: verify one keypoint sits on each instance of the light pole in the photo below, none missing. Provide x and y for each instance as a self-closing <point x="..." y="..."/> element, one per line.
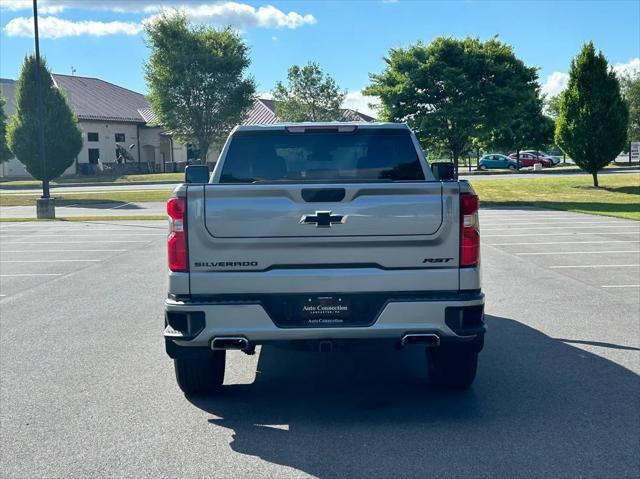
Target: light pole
<point x="45" y="206"/>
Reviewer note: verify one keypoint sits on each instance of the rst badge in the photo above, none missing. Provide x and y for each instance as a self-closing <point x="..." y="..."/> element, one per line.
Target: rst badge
<point x="437" y="260"/>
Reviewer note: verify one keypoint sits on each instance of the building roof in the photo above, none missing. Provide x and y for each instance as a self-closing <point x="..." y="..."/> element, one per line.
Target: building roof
<point x="263" y="112"/>
<point x="92" y="99"/>
<point x="95" y="99"/>
<point x="148" y="116"/>
<point x="354" y="115"/>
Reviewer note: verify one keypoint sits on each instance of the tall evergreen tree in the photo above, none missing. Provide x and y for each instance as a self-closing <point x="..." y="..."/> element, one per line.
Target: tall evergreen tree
<point x="62" y="137"/>
<point x="5" y="152"/>
<point x="592" y="124"/>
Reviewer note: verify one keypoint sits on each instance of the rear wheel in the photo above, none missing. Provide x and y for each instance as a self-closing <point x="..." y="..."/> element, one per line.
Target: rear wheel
<point x="200" y="375"/>
<point x="453" y="366"/>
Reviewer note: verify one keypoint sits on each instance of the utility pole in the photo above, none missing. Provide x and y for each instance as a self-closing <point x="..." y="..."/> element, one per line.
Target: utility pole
<point x="45" y="208"/>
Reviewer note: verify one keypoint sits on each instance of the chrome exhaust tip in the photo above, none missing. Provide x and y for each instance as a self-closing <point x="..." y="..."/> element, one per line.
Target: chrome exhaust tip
<point x="230" y="342"/>
<point x="429" y="340"/>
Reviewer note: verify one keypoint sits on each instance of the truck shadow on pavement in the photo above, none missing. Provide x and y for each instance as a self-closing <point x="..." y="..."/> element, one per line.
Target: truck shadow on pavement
<point x="539" y="407"/>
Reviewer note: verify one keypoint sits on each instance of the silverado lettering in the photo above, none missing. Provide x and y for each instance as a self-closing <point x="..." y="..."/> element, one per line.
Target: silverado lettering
<point x="224" y="264"/>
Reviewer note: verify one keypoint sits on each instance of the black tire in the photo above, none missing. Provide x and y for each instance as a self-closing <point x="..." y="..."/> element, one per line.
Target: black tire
<point x="512" y="167"/>
<point x="453" y="366"/>
<point x="200" y="375"/>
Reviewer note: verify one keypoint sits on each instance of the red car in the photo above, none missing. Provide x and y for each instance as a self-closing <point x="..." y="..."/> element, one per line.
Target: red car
<point x="530" y="159"/>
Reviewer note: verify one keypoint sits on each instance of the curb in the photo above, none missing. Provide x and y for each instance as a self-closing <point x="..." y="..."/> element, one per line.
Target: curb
<point x="93" y="183"/>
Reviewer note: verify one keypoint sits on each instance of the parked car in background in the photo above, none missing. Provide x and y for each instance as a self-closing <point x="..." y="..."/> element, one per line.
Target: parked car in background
<point x="496" y="160"/>
<point x="530" y="159"/>
<point x="553" y="159"/>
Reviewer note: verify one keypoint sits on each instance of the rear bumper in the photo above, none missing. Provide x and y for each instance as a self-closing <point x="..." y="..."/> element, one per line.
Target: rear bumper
<point x="438" y="313"/>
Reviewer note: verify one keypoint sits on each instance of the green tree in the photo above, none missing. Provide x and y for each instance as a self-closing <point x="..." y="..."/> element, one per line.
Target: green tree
<point x="592" y="126"/>
<point x="631" y="93"/>
<point x="62" y="137"/>
<point x="531" y="129"/>
<point x="552" y="105"/>
<point x="196" y="81"/>
<point x="5" y="152"/>
<point x="451" y="91"/>
<point x="311" y="95"/>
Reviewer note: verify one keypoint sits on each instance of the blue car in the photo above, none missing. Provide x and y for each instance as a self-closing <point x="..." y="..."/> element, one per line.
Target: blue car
<point x="496" y="160"/>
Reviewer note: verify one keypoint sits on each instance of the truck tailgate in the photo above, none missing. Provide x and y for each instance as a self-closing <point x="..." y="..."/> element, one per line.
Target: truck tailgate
<point x="412" y="225"/>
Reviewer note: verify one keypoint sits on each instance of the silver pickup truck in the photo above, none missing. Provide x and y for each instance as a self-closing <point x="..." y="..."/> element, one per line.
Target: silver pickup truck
<point x="322" y="235"/>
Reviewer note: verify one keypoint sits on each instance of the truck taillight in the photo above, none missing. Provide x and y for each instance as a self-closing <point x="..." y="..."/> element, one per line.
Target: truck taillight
<point x="177" y="240"/>
<point x="469" y="233"/>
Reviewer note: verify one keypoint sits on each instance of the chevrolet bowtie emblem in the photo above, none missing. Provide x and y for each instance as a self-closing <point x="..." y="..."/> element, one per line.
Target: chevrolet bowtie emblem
<point x="323" y="219"/>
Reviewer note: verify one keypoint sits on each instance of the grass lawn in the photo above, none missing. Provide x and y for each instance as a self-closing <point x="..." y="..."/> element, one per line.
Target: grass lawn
<point x="168" y="177"/>
<point x="618" y="195"/>
<point x="112" y="198"/>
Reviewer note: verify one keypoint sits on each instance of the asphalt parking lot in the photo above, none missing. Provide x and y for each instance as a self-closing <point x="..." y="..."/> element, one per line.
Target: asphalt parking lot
<point x="86" y="389"/>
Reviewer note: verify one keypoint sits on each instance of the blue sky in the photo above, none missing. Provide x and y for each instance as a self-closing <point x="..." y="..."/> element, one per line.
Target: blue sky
<point x="347" y="38"/>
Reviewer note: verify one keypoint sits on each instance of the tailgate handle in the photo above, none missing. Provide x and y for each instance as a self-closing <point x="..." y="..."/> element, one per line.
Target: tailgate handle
<point x="322" y="195"/>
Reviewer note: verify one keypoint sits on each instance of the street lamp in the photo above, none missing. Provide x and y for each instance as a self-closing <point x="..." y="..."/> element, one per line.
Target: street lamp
<point x="45" y="206"/>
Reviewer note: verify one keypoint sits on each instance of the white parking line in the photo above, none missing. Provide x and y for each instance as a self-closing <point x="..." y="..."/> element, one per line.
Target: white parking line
<point x="565" y="242"/>
<point x="577" y="252"/>
<point x="530" y="217"/>
<point x="561" y="227"/>
<point x="621" y="286"/>
<point x="62" y="250"/>
<point x="88" y="235"/>
<point x="30" y="274"/>
<point x="559" y="234"/>
<point x="597" y="266"/>
<point x="568" y="216"/>
<point x="83" y="230"/>
<point x="558" y="223"/>
<point x="75" y="242"/>
<point x="544" y="217"/>
<point x="52" y="261"/>
<point x="120" y="206"/>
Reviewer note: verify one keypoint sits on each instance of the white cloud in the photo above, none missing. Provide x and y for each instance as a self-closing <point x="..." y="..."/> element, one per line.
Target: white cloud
<point x="43" y="7"/>
<point x="53" y="27"/>
<point x="556" y="82"/>
<point x="239" y="15"/>
<point x="362" y="103"/>
<point x="631" y="68"/>
<point x="243" y="16"/>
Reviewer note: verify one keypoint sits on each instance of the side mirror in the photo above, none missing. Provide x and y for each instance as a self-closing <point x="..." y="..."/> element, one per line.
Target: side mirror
<point x="443" y="171"/>
<point x="196" y="174"/>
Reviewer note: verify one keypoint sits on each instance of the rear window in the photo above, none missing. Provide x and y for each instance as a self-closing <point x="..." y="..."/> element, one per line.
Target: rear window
<point x="361" y="155"/>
